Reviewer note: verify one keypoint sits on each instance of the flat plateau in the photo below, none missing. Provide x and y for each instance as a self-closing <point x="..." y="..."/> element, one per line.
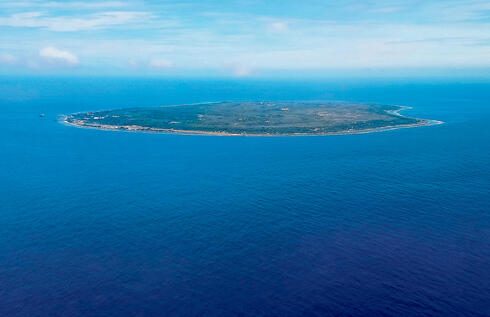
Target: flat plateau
<point x="253" y="119"/>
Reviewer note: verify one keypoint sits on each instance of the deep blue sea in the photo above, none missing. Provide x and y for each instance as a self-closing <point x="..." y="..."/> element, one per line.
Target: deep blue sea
<point x="104" y="223"/>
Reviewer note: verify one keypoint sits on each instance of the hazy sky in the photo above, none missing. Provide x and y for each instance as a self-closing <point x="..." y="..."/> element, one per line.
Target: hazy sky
<point x="243" y="37"/>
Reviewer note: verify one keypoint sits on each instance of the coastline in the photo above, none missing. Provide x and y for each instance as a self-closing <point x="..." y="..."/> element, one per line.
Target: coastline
<point x="63" y="119"/>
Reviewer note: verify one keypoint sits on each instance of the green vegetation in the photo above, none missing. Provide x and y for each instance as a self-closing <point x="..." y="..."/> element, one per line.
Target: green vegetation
<point x="251" y="118"/>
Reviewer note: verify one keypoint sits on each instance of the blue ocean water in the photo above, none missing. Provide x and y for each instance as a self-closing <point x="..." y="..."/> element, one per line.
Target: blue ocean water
<point x="104" y="223"/>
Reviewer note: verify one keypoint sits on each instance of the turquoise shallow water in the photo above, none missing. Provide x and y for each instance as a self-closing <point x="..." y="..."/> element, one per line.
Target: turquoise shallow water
<point x="111" y="223"/>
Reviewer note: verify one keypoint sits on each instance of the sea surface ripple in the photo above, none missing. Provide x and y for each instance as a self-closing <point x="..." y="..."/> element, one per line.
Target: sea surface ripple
<point x="102" y="223"/>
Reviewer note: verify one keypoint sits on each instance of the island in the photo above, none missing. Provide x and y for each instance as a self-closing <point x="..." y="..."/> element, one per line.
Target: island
<point x="293" y="118"/>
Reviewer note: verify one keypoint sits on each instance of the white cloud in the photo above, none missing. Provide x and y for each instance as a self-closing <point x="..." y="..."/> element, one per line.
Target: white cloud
<point x="278" y="27"/>
<point x="242" y="71"/>
<point x="8" y="59"/>
<point x="59" y="57"/>
<point x="64" y="5"/>
<point x="160" y="63"/>
<point x="133" y="64"/>
<point x="72" y="24"/>
<point x="251" y="43"/>
<point x="239" y="68"/>
<point x="386" y="9"/>
<point x="464" y="11"/>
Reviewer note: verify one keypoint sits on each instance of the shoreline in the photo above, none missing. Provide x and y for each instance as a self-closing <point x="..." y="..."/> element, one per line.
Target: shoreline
<point x="134" y="128"/>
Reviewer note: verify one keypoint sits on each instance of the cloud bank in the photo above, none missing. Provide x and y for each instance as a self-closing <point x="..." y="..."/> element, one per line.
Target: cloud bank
<point x="160" y="63"/>
<point x="58" y="57"/>
<point x="208" y="37"/>
<point x="8" y="59"/>
<point x="72" y="24"/>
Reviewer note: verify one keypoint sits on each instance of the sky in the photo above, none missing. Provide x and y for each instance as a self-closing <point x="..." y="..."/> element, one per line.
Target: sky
<point x="245" y="38"/>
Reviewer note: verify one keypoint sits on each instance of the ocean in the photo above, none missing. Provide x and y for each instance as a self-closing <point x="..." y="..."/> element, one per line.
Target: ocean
<point x="107" y="223"/>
